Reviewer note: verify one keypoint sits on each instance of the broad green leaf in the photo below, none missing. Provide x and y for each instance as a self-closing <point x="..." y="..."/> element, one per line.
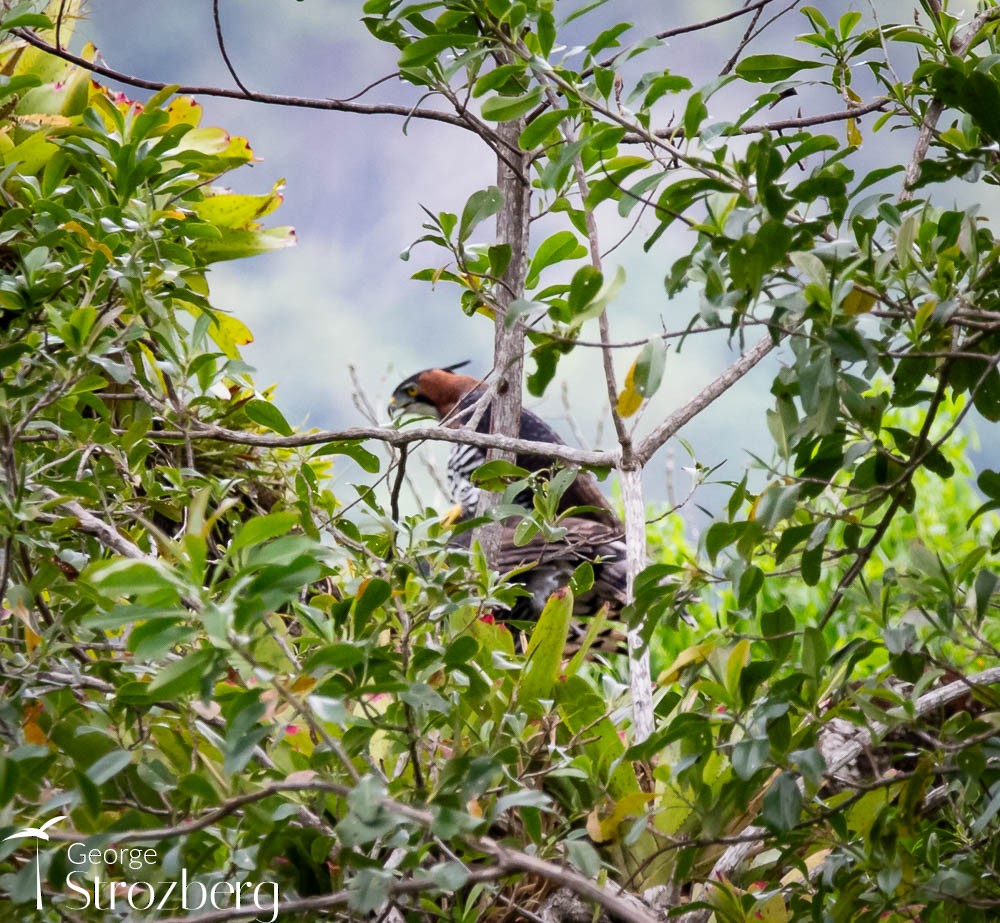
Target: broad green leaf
<point x="229" y="210"/>
<point x="481" y="205"/>
<point x="541" y="127"/>
<point x="424" y="50"/>
<point x="782" y="803"/>
<point x="496" y="474"/>
<point x="133" y="578"/>
<point x="985" y="587"/>
<point x="182" y="677"/>
<point x="261" y="528"/>
<point x="508" y="108"/>
<point x="606" y="294"/>
<point x="563" y="245"/>
<point x="352" y="449"/>
<point x="267" y="415"/>
<point x="545" y="649"/>
<point x="108" y="766"/>
<point x="770" y="68"/>
<point x="375" y="593"/>
<point x="649" y="367"/>
<point x="583" y="288"/>
<point x="238" y="243"/>
<point x="749" y="755"/>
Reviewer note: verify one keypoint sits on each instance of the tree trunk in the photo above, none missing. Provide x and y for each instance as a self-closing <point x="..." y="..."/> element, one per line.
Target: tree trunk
<point x="508" y="338"/>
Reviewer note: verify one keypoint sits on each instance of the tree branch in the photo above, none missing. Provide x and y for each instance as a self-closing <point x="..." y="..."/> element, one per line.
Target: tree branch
<point x="222" y="47"/>
<point x="805" y="121"/>
<point x="718" y="20"/>
<point x="618" y="903"/>
<point x="959" y="46"/>
<point x="703" y="399"/>
<point x="399" y="437"/>
<point x="734" y="857"/>
<point x="271" y="99"/>
<point x="106" y="534"/>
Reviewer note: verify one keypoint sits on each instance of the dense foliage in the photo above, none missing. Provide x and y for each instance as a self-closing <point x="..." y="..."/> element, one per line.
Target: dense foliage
<point x="206" y="653"/>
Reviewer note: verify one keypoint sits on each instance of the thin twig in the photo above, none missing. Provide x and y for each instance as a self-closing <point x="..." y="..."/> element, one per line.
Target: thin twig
<point x="271" y="99"/>
<point x="222" y="48"/>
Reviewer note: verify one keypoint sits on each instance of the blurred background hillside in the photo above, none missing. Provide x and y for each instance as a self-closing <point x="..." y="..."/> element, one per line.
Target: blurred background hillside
<point x="354" y="190"/>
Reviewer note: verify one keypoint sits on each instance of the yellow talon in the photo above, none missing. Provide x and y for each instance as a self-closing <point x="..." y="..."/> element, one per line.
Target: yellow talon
<point x="452" y="516"/>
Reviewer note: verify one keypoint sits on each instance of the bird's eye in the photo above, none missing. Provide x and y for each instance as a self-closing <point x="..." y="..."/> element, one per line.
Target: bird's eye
<point x="412" y="391"/>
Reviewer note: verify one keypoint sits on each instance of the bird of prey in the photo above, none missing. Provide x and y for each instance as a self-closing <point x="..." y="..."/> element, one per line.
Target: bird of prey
<point x="590" y="532"/>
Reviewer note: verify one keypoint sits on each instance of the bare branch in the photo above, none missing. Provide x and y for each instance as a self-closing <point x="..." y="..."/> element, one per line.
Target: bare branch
<point x="222" y="47"/>
<point x="399" y="437"/>
<point x="718" y="20"/>
<point x="703" y="399"/>
<point x="959" y="46"/>
<point x="806" y="121"/>
<point x="303" y="102"/>
<point x="106" y="534"/>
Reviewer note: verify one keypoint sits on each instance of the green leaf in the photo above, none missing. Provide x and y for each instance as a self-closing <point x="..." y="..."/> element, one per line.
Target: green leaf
<point x="267" y="415"/>
<point x="782" y="804"/>
<point x="989" y="812"/>
<point x="985" y="587"/>
<point x="497" y="474"/>
<point x="989" y="483"/>
<point x="583" y="288"/>
<point x="424" y="50"/>
<point x="695" y="112"/>
<point x="354" y="450"/>
<point x="812" y="565"/>
<point x="751" y="582"/>
<point x="814" y="653"/>
<point x="719" y="535"/>
<point x="649" y="367"/>
<point x="545" y="649"/>
<point x="259" y="529"/>
<point x="598" y="304"/>
<point x="541" y="127"/>
<point x="778" y="628"/>
<point x="749" y="755"/>
<point x="108" y="766"/>
<point x="498" y="79"/>
<point x="563" y="245"/>
<point x="584" y="857"/>
<point x="27" y="21"/>
<point x="374" y="594"/>
<point x="769" y="68"/>
<point x="481" y="205"/>
<point x="509" y="108"/>
<point x="237" y="243"/>
<point x="182" y="677"/>
<point x="133" y="578"/>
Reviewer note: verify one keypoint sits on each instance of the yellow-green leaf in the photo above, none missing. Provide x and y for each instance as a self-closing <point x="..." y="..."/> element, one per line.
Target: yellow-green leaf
<point x="545" y="648"/>
<point x="854" y="137"/>
<point x="695" y="654"/>
<point x="858" y="301"/>
<point x="629" y="401"/>
<point x="239" y="211"/>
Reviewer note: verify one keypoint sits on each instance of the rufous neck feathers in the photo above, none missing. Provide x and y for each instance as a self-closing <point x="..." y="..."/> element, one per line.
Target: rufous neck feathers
<point x="446" y="389"/>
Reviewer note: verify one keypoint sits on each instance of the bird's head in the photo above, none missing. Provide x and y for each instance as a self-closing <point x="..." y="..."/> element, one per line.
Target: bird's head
<point x="432" y="392"/>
